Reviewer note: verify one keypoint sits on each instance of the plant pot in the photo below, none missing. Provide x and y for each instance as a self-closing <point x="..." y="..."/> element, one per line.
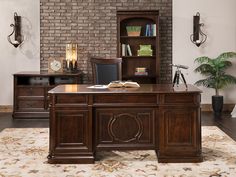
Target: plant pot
<point x="217" y="104"/>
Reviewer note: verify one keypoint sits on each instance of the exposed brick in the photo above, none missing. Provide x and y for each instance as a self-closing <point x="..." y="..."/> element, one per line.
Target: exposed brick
<point x="92" y="25"/>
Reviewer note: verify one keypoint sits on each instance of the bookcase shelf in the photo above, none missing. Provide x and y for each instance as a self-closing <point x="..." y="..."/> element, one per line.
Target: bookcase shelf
<point x="128" y="46"/>
<point x="139" y="57"/>
<point x="139" y="76"/>
<point x="137" y="37"/>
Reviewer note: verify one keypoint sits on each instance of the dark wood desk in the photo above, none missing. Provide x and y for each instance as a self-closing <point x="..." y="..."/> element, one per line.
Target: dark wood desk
<point x="155" y="117"/>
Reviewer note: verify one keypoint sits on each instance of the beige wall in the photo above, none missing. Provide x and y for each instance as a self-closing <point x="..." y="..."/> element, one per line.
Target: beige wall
<point x="26" y="57"/>
<point x="219" y="18"/>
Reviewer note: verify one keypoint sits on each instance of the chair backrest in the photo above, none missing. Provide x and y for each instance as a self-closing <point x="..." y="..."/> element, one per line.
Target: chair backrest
<point x="106" y="70"/>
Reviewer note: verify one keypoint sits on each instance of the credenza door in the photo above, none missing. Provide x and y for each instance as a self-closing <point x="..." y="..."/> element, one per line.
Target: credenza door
<point x="72" y="130"/>
<point x="70" y="136"/>
<point x="179" y="133"/>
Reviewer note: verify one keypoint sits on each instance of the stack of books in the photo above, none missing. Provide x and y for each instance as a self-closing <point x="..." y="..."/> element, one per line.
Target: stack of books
<point x="141" y="71"/>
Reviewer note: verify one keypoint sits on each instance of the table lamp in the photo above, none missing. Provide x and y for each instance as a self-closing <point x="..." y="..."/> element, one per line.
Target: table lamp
<point x="71" y="57"/>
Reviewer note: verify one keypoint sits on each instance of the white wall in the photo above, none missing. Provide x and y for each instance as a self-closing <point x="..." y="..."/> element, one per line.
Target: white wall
<point x="219" y="18"/>
<point x="27" y="56"/>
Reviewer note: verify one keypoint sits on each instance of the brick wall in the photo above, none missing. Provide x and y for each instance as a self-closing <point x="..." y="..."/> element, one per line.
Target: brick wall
<point x="92" y="25"/>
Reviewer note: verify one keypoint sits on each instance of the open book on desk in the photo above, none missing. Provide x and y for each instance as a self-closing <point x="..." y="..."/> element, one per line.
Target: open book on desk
<point x="117" y="84"/>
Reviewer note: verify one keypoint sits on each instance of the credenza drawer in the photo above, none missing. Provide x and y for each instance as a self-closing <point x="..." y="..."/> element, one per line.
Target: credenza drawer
<point x="30" y="91"/>
<point x="152" y="98"/>
<point x="67" y="98"/>
<point x="64" y="80"/>
<point x="28" y="104"/>
<point x="177" y="98"/>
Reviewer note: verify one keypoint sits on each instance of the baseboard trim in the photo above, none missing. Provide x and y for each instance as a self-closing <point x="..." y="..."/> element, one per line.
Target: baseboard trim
<point x="226" y="107"/>
<point x="6" y="108"/>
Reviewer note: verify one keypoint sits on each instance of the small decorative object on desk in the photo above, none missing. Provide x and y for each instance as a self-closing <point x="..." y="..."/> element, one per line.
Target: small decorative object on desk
<point x="118" y="84"/>
<point x="145" y="50"/>
<point x="71" y="58"/>
<point x="98" y="87"/>
<point x="133" y="30"/>
<point x="141" y="71"/>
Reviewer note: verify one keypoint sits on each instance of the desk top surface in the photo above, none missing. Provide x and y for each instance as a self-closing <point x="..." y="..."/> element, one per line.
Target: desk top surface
<point x="144" y="88"/>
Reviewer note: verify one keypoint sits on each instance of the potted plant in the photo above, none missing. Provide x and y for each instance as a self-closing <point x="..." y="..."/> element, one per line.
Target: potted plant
<point x="216" y="77"/>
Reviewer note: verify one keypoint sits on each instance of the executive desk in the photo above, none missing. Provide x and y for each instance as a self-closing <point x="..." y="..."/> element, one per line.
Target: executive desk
<point x="154" y="117"/>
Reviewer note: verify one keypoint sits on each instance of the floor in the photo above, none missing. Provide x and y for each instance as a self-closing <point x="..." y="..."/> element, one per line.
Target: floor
<point x="224" y="122"/>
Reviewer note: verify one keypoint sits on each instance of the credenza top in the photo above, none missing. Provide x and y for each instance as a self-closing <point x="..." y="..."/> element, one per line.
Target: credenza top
<point x="45" y="73"/>
<point x="144" y="88"/>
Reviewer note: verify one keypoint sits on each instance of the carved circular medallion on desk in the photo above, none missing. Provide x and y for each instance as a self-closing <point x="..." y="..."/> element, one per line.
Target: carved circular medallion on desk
<point x="125" y="128"/>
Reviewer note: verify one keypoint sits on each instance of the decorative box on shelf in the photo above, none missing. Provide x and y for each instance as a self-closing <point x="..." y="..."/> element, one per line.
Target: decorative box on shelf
<point x="145" y="50"/>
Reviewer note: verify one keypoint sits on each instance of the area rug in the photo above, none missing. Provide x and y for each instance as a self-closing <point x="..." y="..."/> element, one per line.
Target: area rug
<point x="23" y="153"/>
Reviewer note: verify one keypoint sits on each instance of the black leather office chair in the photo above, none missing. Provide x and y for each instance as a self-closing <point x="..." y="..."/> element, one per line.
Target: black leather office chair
<point x="106" y="70"/>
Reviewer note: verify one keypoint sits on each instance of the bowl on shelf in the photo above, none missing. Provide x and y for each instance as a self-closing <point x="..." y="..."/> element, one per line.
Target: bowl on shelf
<point x="133" y="30"/>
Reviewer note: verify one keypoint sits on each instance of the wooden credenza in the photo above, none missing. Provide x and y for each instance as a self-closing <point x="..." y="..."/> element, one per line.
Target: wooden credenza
<point x="30" y="92"/>
<point x="156" y="117"/>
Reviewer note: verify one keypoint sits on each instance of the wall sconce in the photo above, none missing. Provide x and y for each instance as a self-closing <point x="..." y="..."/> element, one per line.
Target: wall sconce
<point x="198" y="37"/>
<point x="71" y="57"/>
<point x="17" y="30"/>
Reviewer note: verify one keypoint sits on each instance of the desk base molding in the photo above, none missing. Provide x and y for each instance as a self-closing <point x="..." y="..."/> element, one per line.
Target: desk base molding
<point x="79" y="159"/>
<point x="180" y="159"/>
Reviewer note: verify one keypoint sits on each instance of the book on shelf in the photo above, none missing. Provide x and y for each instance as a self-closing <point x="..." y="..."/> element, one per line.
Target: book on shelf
<point x="123" y="50"/>
<point x="141" y="73"/>
<point x="126" y="50"/>
<point x="119" y="84"/>
<point x="129" y="50"/>
<point x="154" y="29"/>
<point x="150" y="30"/>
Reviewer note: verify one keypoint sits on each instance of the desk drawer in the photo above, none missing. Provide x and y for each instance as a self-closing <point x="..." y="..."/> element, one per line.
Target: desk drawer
<point x="30" y="91"/>
<point x="66" y="98"/>
<point x="177" y="98"/>
<point x="126" y="99"/>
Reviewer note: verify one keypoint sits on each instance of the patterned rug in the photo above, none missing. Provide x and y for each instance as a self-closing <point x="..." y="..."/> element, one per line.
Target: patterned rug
<point x="23" y="153"/>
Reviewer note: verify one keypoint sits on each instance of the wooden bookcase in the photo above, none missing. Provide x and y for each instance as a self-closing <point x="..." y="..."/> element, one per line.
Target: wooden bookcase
<point x="31" y="92"/>
<point x="130" y="63"/>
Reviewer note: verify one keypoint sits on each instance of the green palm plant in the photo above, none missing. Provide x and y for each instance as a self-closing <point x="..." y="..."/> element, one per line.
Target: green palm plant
<point x="214" y="71"/>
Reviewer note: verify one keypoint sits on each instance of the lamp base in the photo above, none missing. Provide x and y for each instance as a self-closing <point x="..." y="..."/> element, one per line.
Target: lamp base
<point x="71" y="70"/>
